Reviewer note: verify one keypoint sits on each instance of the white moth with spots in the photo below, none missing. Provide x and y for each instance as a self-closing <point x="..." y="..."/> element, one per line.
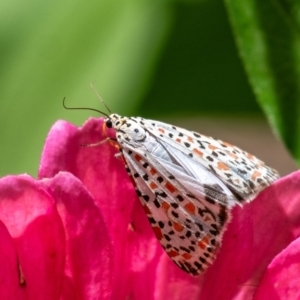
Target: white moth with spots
<point x="187" y="184"/>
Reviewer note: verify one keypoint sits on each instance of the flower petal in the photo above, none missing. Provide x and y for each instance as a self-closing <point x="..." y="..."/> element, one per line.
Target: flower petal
<point x="89" y="257"/>
<point x="32" y="220"/>
<point x="173" y="283"/>
<point x="258" y="231"/>
<point x="10" y="287"/>
<point x="281" y="280"/>
<point x="136" y="249"/>
<point x="255" y="235"/>
<point x="60" y="150"/>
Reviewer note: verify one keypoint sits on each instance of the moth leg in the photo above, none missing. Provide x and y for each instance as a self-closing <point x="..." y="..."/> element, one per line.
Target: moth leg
<point x="119" y="156"/>
<point x="112" y="141"/>
<point x="96" y="144"/>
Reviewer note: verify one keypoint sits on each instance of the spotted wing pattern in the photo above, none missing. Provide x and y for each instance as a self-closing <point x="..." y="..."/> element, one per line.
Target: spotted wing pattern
<point x="187" y="184"/>
<point x="242" y="172"/>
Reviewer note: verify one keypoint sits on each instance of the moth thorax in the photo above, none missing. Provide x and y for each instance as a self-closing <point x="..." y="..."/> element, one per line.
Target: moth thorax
<point x="134" y="131"/>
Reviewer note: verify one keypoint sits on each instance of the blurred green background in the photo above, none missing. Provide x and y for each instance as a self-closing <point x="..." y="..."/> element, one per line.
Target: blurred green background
<point x="204" y="65"/>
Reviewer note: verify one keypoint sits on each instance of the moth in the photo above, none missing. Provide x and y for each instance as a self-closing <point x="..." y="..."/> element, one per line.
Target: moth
<point x="187" y="183"/>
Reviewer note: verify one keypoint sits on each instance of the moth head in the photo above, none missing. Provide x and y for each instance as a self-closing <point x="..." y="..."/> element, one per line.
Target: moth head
<point x="127" y="129"/>
<point x="113" y="121"/>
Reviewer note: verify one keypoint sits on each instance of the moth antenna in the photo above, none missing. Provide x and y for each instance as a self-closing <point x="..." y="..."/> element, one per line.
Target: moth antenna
<point x="86" y="108"/>
<point x="102" y="101"/>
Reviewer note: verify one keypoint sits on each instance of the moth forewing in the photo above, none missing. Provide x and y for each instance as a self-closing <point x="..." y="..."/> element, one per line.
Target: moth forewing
<point x="180" y="221"/>
<point x="242" y="172"/>
<point x="187" y="184"/>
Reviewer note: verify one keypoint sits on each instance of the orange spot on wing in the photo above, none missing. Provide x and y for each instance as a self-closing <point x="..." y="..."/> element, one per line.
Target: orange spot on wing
<point x="211" y="147"/>
<point x="198" y="152"/>
<point x="186" y="256"/>
<point x="203" y="243"/>
<point x="232" y="155"/>
<point x="161" y="130"/>
<point x="165" y="205"/>
<point x="227" y="144"/>
<point x="137" y="157"/>
<point x="173" y="253"/>
<point x="157" y="232"/>
<point x="255" y="175"/>
<point x="222" y="166"/>
<point x="190" y="207"/>
<point x="147" y="210"/>
<point x="170" y="187"/>
<point x="178" y="140"/>
<point x="190" y="139"/>
<point x="250" y="156"/>
<point x="177" y="226"/>
<point x="153" y="185"/>
<point x="153" y="171"/>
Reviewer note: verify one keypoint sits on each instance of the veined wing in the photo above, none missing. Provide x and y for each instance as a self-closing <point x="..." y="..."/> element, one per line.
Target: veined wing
<point x="189" y="227"/>
<point x="242" y="172"/>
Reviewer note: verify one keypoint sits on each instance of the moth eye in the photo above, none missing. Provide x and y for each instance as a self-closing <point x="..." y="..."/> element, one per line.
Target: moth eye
<point x="109" y="123"/>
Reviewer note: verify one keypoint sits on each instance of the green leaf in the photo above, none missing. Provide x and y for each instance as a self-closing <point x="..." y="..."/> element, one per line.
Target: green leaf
<point x="268" y="37"/>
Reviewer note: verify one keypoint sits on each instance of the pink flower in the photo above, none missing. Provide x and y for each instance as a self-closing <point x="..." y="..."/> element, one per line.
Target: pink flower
<point x="259" y="232"/>
<point x="87" y="236"/>
<point x="54" y="243"/>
